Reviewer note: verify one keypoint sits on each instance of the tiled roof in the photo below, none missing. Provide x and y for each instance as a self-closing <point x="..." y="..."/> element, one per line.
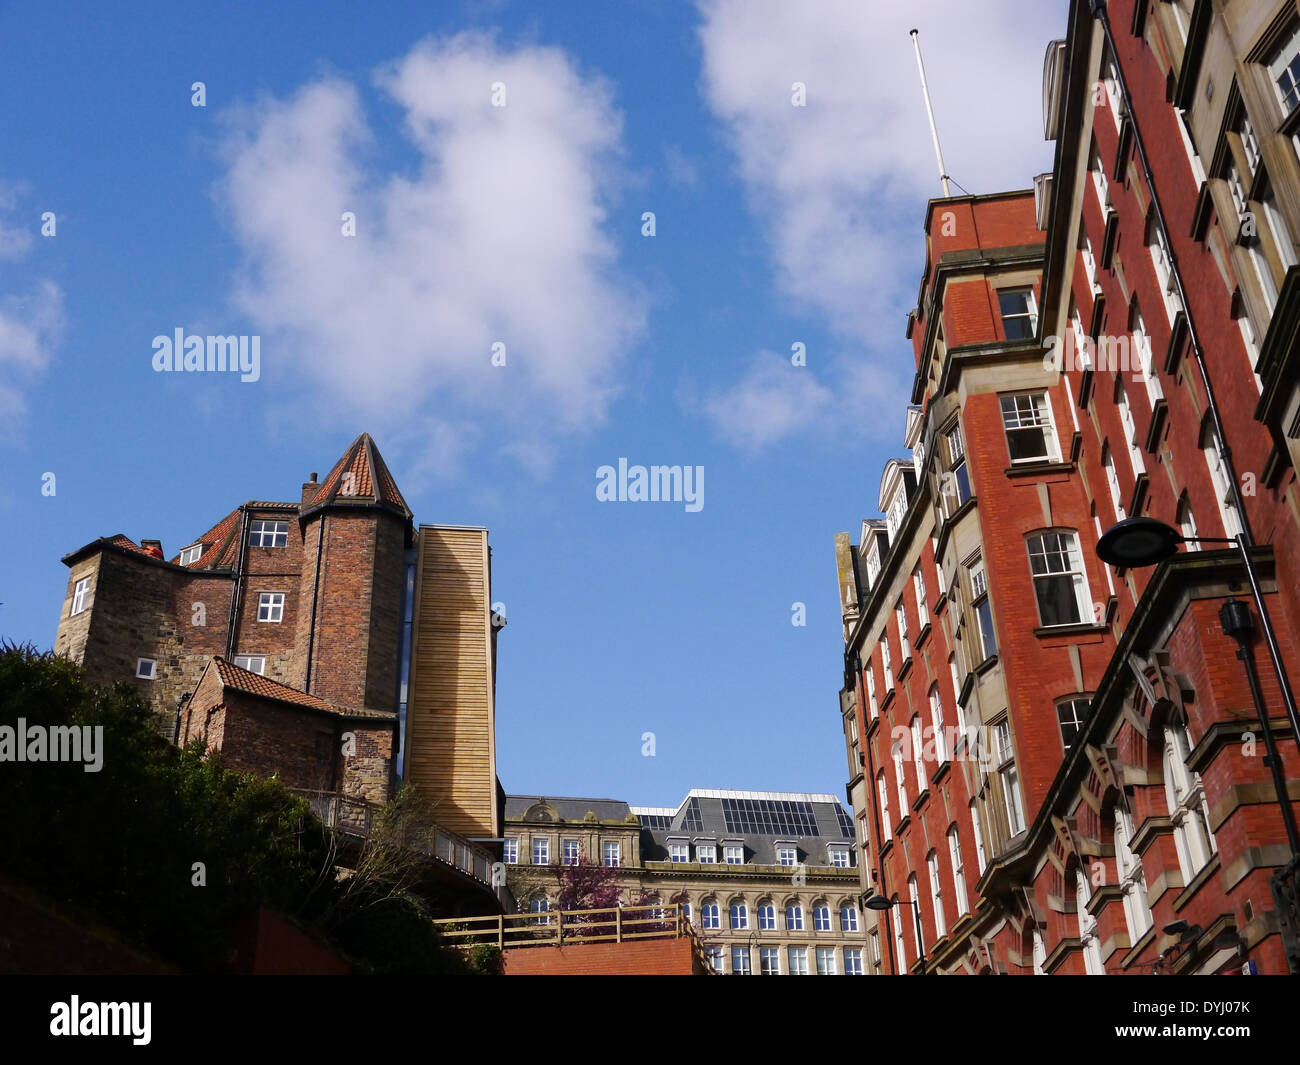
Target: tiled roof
<point x="218" y="540"/>
<point x="360" y="476"/>
<point x="121" y="540"/>
<point x="243" y="680"/>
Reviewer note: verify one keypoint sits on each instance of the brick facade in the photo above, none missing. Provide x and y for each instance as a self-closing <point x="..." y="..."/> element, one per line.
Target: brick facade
<point x="1159" y="813"/>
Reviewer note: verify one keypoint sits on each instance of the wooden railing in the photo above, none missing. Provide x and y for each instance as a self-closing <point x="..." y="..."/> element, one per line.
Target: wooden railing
<point x="351" y="816"/>
<point x="553" y="928"/>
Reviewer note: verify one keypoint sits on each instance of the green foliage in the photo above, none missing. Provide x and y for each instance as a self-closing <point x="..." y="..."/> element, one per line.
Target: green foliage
<point x="121" y="844"/>
<point x="485" y="959"/>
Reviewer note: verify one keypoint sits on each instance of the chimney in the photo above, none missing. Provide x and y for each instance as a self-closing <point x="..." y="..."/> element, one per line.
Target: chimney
<point x="152" y="548"/>
<point x="309" y="490"/>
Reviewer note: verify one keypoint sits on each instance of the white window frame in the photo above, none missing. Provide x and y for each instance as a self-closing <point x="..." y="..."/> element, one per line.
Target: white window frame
<point x="1029" y="314"/>
<point x="981" y="858"/>
<point x="1146" y="359"/>
<point x="190" y="554"/>
<point x="766" y="916"/>
<point x="787" y="856"/>
<point x="510" y="851"/>
<point x="1128" y="866"/>
<point x="797" y="958"/>
<point x="885" y="827"/>
<point x="900" y="618"/>
<point x="1222" y="491"/>
<point x="571" y="850"/>
<point x="252" y="663"/>
<point x="918" y="754"/>
<point x="822" y="916"/>
<point x="870" y="674"/>
<point x="146" y="669"/>
<point x="849" y="917"/>
<point x="742" y="962"/>
<point x="265" y="532"/>
<point x="1284" y="70"/>
<point x="542" y="848"/>
<point x="1012" y="801"/>
<point x="80" y="596"/>
<point x="853" y="961"/>
<point x="826" y="961"/>
<point x="270" y="604"/>
<point x="1021" y="419"/>
<point x="1112" y="481"/>
<point x="794" y="916"/>
<point x="936" y="892"/>
<point x="1046" y="549"/>
<point x="611" y="848"/>
<point x="769" y="961"/>
<point x="706" y="853"/>
<point x="733" y="853"/>
<point x="941" y="752"/>
<point x="958" y="870"/>
<point x="1188" y="809"/>
<point x="1092" y="962"/>
<point x="738" y="915"/>
<point x="1130" y="432"/>
<point x="710" y="914"/>
<point x="679" y="852"/>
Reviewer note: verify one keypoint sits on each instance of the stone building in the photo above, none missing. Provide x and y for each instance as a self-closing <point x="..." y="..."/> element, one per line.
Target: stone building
<point x="323" y="639"/>
<point x="1086" y="791"/>
<point x="768" y="877"/>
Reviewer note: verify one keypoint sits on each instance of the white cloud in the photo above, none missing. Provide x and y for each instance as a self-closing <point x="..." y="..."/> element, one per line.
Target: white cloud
<point x="14" y="241"/>
<point x="773" y="400"/>
<point x="30" y="325"/>
<point x="838" y="186"/>
<point x="496" y="232"/>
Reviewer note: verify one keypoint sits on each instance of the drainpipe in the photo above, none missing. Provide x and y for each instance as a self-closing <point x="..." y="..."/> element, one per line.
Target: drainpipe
<point x="237" y="594"/>
<point x="315" y="591"/>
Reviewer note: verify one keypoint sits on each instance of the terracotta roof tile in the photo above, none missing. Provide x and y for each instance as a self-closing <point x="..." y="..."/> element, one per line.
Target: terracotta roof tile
<point x="361" y="475"/>
<point x="243" y="680"/>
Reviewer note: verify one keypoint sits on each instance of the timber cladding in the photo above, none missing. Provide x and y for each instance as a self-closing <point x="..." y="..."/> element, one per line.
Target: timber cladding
<point x="450" y="725"/>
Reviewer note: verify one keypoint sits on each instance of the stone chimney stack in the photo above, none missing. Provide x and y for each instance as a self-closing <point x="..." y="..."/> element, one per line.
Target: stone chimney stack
<point x="309" y="490"/>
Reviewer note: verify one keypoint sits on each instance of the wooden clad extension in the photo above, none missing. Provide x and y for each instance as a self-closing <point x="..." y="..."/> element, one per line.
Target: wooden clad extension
<point x="450" y="725"/>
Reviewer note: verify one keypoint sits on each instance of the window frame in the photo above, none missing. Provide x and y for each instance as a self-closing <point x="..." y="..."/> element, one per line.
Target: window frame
<point x="80" y="597"/>
<point x="268" y="603"/>
<point x="1038" y="418"/>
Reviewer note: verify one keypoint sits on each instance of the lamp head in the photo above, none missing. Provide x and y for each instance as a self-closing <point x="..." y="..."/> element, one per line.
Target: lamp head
<point x="1138" y="542"/>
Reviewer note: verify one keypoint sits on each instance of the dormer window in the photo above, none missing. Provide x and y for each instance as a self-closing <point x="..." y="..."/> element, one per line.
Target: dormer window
<point x="190" y="554"/>
<point x="897" y="511"/>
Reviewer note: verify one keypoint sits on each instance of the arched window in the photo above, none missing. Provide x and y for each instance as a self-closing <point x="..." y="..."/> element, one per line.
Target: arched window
<point x="936" y="726"/>
<point x="918" y="754"/>
<point x="936" y="892"/>
<point x="900" y="948"/>
<point x="739" y="914"/>
<point x="1060" y="583"/>
<point x="980" y="856"/>
<point x="821" y="916"/>
<point x="1092" y="964"/>
<point x="1187" y="807"/>
<point x="1040" y="952"/>
<point x="793" y="916"/>
<point x="848" y="916"/>
<point x="897" y="754"/>
<point x="766" y="915"/>
<point x="883" y="788"/>
<point x="958" y="871"/>
<point x="710" y="915"/>
<point x="539" y="904"/>
<point x="1137" y="914"/>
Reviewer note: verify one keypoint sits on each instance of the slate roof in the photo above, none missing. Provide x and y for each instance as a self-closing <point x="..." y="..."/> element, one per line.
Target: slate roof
<point x="732" y="816"/>
<point x="249" y="683"/>
<point x="568" y="808"/>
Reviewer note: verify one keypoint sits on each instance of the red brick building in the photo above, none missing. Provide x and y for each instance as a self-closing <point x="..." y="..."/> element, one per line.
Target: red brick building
<point x="308" y="638"/>
<point x="1103" y="804"/>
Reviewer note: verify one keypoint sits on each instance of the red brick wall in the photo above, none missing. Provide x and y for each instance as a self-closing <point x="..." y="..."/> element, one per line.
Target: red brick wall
<point x="649" y="957"/>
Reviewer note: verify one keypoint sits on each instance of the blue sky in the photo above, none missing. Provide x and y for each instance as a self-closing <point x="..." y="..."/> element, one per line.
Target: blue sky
<point x="521" y="224"/>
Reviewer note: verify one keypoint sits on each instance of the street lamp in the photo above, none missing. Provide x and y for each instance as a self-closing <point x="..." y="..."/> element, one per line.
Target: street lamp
<point x="1140" y="542"/>
<point x="880" y="902"/>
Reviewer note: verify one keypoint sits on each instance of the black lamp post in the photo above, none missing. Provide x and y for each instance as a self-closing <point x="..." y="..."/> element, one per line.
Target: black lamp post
<point x="1140" y="542"/>
<point x="880" y="902"/>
